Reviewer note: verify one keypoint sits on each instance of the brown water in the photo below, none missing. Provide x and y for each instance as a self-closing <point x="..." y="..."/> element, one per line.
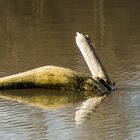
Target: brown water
<point x="35" y="33"/>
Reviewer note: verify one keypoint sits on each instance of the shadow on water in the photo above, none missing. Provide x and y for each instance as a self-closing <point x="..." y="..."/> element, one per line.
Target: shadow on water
<point x="49" y="99"/>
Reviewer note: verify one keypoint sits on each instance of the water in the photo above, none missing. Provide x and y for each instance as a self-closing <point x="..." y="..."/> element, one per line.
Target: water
<point x="41" y="32"/>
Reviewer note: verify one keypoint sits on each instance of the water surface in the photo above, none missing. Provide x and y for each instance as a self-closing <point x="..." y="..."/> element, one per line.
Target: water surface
<point x="42" y="32"/>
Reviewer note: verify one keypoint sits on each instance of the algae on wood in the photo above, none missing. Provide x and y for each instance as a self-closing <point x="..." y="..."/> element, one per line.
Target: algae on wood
<point x="52" y="77"/>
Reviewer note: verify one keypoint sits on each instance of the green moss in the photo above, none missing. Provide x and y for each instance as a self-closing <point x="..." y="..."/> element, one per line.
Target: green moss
<point x="51" y="78"/>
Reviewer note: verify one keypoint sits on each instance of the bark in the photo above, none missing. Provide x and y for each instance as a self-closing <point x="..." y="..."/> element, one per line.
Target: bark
<point x="52" y="77"/>
<point x="97" y="69"/>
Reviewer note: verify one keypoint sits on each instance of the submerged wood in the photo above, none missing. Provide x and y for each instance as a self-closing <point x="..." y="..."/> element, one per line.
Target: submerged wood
<point x="52" y="77"/>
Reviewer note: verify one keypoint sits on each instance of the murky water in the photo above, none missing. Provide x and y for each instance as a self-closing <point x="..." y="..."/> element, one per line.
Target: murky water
<point x="35" y="33"/>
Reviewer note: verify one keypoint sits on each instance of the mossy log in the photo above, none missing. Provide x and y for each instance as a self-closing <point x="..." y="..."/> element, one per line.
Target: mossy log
<point x="52" y="77"/>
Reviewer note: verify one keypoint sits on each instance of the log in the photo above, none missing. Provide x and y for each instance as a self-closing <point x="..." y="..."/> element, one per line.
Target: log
<point x="53" y="77"/>
<point x="97" y="69"/>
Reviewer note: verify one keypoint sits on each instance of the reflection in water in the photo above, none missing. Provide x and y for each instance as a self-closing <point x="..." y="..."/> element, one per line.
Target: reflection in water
<point x="87" y="108"/>
<point x="50" y="99"/>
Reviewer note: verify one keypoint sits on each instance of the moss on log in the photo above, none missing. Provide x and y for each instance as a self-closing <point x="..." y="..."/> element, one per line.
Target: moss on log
<point x="52" y="77"/>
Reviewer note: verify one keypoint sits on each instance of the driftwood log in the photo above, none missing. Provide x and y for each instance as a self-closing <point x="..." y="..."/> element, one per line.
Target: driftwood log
<point x="96" y="68"/>
<point x="53" y="77"/>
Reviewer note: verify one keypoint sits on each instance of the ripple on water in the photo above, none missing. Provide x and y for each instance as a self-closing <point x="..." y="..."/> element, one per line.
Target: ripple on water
<point x="19" y="120"/>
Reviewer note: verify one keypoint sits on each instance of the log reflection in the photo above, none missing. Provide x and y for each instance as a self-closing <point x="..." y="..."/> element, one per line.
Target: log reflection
<point x="87" y="107"/>
<point x="42" y="98"/>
